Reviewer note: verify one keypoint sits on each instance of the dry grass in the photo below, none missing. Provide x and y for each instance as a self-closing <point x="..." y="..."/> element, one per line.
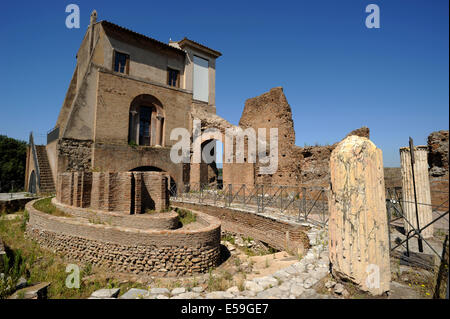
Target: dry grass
<point x="45" y="205"/>
<point x="44" y="266"/>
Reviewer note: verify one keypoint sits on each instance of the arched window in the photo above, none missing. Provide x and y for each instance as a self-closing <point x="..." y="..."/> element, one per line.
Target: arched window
<point x="146" y="121"/>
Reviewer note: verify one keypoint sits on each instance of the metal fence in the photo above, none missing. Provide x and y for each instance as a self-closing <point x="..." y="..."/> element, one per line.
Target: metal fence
<point x="410" y="247"/>
<point x="398" y="220"/>
<point x="307" y="204"/>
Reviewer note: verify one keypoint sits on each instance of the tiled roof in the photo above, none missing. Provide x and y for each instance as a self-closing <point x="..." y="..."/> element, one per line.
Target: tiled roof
<point x="140" y="36"/>
<point x="191" y="42"/>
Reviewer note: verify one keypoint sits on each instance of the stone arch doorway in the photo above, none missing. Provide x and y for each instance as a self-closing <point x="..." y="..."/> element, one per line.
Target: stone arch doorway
<point x="32" y="185"/>
<point x="146" y="121"/>
<point x="211" y="163"/>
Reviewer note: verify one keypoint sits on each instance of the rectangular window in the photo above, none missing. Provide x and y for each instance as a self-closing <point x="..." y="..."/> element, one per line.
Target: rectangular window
<point x="201" y="81"/>
<point x="121" y="62"/>
<point x="173" y="77"/>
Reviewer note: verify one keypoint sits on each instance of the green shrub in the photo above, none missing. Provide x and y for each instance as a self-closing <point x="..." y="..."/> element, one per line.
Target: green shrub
<point x="12" y="270"/>
<point x="185" y="216"/>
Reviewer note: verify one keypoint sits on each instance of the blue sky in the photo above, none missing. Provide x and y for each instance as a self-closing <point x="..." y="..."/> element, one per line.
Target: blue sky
<point x="337" y="74"/>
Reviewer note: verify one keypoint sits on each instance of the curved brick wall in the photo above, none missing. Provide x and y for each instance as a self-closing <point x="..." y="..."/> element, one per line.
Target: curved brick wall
<point x="277" y="233"/>
<point x="155" y="252"/>
<point x="167" y="220"/>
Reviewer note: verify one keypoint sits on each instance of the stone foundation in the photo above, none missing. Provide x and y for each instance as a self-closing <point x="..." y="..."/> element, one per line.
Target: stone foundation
<point x="130" y="250"/>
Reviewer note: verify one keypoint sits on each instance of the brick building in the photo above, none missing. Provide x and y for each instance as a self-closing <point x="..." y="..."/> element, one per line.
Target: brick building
<point x="128" y="91"/>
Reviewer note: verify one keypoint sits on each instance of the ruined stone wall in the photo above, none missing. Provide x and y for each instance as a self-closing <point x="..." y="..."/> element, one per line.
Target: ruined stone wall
<point x="279" y="234"/>
<point x="438" y="168"/>
<point x="392" y="177"/>
<point x="271" y="110"/>
<point x="122" y="158"/>
<point x="438" y="153"/>
<point x="307" y="166"/>
<point x="74" y="155"/>
<point x="153" y="252"/>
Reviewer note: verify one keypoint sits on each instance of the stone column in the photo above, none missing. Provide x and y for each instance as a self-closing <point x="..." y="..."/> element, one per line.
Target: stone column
<point x="153" y="130"/>
<point x="358" y="229"/>
<point x="158" y="130"/>
<point x="423" y="193"/>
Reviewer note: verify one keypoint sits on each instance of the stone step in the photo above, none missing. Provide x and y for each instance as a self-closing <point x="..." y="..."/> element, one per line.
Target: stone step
<point x="47" y="184"/>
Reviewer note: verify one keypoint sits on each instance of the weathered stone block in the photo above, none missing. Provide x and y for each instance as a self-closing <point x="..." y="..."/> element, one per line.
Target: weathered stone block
<point x="358" y="230"/>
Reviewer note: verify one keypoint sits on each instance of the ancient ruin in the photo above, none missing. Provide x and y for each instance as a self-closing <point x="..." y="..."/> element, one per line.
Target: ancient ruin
<point x="359" y="246"/>
<point x="416" y="190"/>
<point x="108" y="161"/>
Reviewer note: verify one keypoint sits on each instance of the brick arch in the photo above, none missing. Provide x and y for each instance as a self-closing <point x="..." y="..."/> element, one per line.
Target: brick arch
<point x="154" y="112"/>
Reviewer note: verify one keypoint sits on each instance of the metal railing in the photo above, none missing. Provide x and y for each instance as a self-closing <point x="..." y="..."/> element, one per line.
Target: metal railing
<point x="307" y="204"/>
<point x="397" y="217"/>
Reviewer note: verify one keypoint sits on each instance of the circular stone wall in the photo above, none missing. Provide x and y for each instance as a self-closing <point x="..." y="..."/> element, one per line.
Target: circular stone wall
<point x="127" y="249"/>
<point x="165" y="220"/>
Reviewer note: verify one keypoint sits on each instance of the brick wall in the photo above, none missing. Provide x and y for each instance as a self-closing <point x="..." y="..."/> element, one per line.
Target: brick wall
<point x="166" y="220"/>
<point x="125" y="192"/>
<point x="155" y="252"/>
<point x="279" y="234"/>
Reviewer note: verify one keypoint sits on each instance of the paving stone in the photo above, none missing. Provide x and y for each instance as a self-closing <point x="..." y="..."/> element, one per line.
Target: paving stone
<point x="266" y="282"/>
<point x="291" y="270"/>
<point x="310" y="267"/>
<point x="297" y="290"/>
<point x="38" y="291"/>
<point x="309" y="282"/>
<point x="285" y="286"/>
<point x="249" y="293"/>
<point x="339" y="289"/>
<point x="106" y="293"/>
<point x="270" y="293"/>
<point x="300" y="267"/>
<point x="134" y="293"/>
<point x="159" y="291"/>
<point x="162" y="297"/>
<point x="233" y="290"/>
<point x="280" y="274"/>
<point x="309" y="294"/>
<point x="252" y="286"/>
<point x="198" y="289"/>
<point x="187" y="295"/>
<point x="304" y="276"/>
<point x="177" y="291"/>
<point x="219" y="295"/>
<point x="317" y="274"/>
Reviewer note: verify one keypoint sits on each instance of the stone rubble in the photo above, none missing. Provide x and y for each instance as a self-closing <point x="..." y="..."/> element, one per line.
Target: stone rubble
<point x="294" y="282"/>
